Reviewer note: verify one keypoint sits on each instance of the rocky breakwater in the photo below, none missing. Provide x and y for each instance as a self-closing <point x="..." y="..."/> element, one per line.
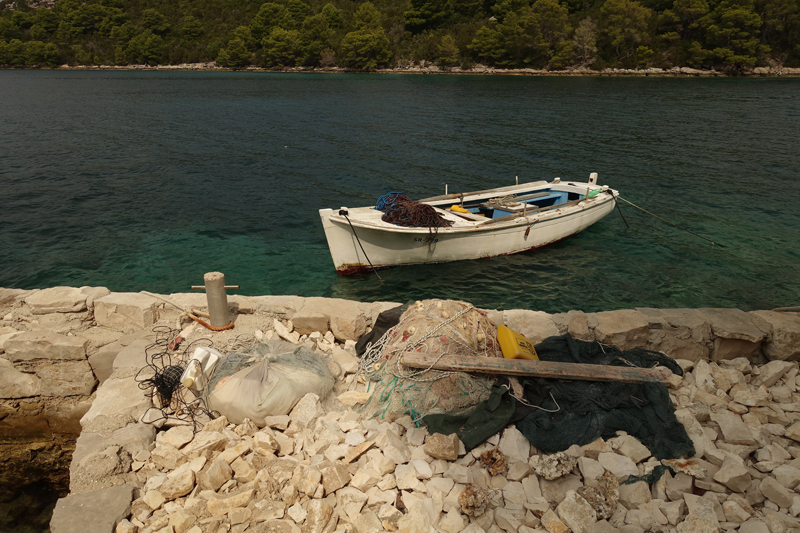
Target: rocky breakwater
<point x="324" y="468"/>
<point x="131" y="475"/>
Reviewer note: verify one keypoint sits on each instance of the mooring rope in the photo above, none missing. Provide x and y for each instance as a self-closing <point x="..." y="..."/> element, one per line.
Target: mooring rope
<point x="670" y="223"/>
<point x="344" y="214"/>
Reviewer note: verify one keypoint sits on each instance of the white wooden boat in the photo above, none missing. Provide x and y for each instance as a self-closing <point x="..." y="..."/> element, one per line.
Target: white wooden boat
<point x="500" y="221"/>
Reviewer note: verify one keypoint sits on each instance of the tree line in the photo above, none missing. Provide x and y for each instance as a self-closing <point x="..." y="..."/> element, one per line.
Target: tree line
<point x="730" y="35"/>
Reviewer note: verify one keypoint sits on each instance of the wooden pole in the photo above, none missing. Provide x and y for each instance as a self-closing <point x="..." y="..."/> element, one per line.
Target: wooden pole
<point x="544" y="369"/>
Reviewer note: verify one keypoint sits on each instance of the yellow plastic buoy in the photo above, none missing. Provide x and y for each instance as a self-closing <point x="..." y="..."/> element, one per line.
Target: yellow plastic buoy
<point x="514" y="345"/>
<point x="458" y="209"/>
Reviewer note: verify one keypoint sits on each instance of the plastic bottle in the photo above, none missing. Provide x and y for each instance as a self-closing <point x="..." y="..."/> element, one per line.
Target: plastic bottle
<point x="200" y="367"/>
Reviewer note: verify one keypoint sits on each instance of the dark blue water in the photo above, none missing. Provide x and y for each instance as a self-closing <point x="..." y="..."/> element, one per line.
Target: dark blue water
<point x="146" y="180"/>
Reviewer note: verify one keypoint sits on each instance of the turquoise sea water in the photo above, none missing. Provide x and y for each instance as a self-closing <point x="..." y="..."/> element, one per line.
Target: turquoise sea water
<point x="146" y="180"/>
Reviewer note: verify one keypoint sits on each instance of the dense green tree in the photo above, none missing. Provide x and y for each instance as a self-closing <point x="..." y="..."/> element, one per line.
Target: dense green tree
<point x="8" y="30"/>
<point x="145" y="48"/>
<point x="332" y="16"/>
<point x="367" y="17"/>
<point x="365" y="49"/>
<point x="234" y="55"/>
<point x="270" y="16"/>
<point x="624" y="27"/>
<point x="502" y="8"/>
<point x="449" y="54"/>
<point x="154" y="21"/>
<point x="191" y="28"/>
<point x="317" y="36"/>
<point x="552" y="19"/>
<point x="732" y="34"/>
<point x="284" y="48"/>
<point x="15" y="53"/>
<point x="427" y="14"/>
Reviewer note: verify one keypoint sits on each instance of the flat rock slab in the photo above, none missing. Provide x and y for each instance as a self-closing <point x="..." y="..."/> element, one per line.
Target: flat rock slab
<point x="98" y="512"/>
<point x="126" y="311"/>
<point x="133" y="356"/>
<point x="118" y="397"/>
<point x="32" y="345"/>
<point x="346" y="318"/>
<point x="624" y="329"/>
<point x="66" y="378"/>
<point x="732" y="324"/>
<point x="9" y="295"/>
<point x="57" y="300"/>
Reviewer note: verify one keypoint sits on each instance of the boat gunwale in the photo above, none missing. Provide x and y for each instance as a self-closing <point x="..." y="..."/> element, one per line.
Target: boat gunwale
<point x="517" y="219"/>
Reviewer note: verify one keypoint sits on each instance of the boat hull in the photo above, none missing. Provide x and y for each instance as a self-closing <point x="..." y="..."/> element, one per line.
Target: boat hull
<point x="357" y="247"/>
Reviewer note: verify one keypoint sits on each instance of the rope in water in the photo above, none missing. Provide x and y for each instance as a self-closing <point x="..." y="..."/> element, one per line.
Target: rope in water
<point x="668" y="222"/>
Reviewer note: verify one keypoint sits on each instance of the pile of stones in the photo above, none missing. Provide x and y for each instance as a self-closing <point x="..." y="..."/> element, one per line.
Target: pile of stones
<point x="314" y="471"/>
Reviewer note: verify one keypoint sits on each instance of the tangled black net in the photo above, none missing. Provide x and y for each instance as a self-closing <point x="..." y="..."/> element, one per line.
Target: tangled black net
<point x="401" y="210"/>
<point x="160" y="378"/>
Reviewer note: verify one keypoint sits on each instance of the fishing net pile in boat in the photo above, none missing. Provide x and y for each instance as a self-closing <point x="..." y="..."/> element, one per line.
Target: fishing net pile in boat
<point x="434" y="327"/>
<point x="401" y="210"/>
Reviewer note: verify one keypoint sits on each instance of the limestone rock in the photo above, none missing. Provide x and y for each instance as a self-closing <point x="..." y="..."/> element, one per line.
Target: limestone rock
<point x="67" y="378"/>
<point x="16" y="384"/>
<point x="206" y="441"/>
<point x="32" y="345"/>
<point x="179" y="485"/>
<point x="56" y="300"/>
<point x="631" y="448"/>
<point x="133" y="357"/>
<point x="534" y="325"/>
<point x="92" y="294"/>
<point x="126" y="311"/>
<point x="514" y="445"/>
<point x="306" y="410"/>
<point x="754" y="525"/>
<point x="576" y="512"/>
<point x="733" y="475"/>
<point x="735" y="333"/>
<point x="334" y="477"/>
<point x="98" y="511"/>
<point x="624" y="329"/>
<point x="319" y="513"/>
<point x="793" y="432"/>
<point x="776" y="492"/>
<point x="595" y="448"/>
<point x="619" y="465"/>
<point x="784" y="339"/>
<point x="220" y="506"/>
<point x="306" y="322"/>
<point x="216" y="475"/>
<point x="733" y="429"/>
<point x="118" y="397"/>
<point x="347" y="321"/>
<point x="177" y="436"/>
<point x="553" y="524"/>
<point x="351" y="398"/>
<point x="442" y="446"/>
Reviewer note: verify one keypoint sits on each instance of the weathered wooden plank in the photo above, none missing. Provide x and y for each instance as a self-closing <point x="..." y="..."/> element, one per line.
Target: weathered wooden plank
<point x="544" y="369"/>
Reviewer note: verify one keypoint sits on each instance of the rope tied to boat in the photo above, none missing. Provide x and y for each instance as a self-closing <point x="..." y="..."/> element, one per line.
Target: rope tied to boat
<point x="668" y="222"/>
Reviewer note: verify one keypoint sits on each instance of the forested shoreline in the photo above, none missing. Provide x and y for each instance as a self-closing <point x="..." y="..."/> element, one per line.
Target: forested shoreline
<point x="730" y="36"/>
